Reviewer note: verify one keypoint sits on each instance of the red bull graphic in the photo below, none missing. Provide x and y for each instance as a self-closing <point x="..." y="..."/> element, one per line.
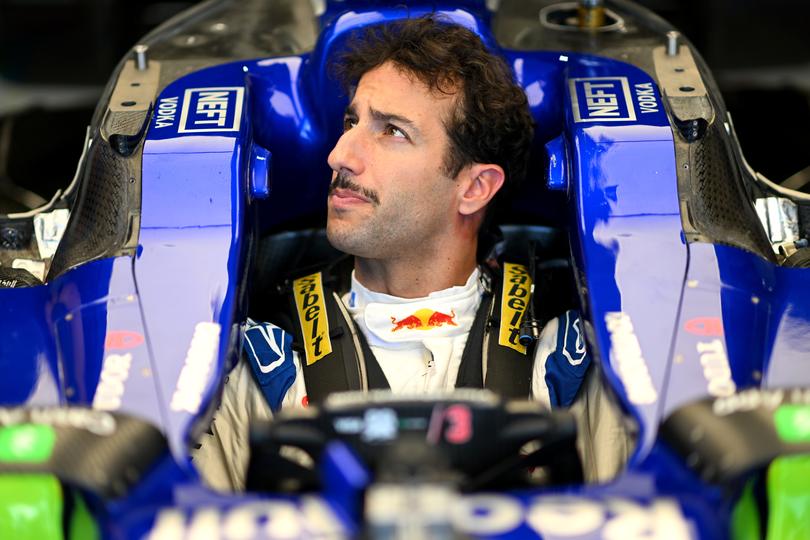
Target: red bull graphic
<point x="424" y="319"/>
<point x="122" y="339"/>
<point x="704" y="326"/>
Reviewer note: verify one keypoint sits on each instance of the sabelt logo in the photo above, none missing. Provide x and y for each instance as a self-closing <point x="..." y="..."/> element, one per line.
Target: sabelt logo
<point x="516" y="286"/>
<point x="311" y="307"/>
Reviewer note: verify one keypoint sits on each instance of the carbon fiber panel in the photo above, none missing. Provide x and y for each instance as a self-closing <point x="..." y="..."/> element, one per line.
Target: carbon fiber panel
<point x="718" y="206"/>
<point x="100" y="216"/>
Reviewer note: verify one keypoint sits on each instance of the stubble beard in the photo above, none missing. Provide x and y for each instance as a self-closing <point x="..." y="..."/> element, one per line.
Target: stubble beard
<point x="356" y="235"/>
<point x="367" y="237"/>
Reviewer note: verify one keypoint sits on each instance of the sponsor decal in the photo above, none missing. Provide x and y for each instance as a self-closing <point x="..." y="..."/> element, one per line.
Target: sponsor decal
<point x="564" y="516"/>
<point x="630" y="363"/>
<point x="207" y="110"/>
<point x="424" y="319"/>
<point x="645" y="97"/>
<point x="516" y="286"/>
<point x="305" y="401"/>
<point x="715" y="368"/>
<point x="309" y="301"/>
<point x="122" y="339"/>
<point x="748" y="400"/>
<point x="194" y="376"/>
<point x="312" y="518"/>
<point x="704" y="326"/>
<point x="166" y="112"/>
<point x="754" y="398"/>
<point x="601" y="99"/>
<point x="613" y="518"/>
<point x="110" y="389"/>
<point x="97" y="422"/>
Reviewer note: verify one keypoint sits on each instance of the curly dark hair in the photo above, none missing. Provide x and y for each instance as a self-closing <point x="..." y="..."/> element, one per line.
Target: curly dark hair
<point x="491" y="122"/>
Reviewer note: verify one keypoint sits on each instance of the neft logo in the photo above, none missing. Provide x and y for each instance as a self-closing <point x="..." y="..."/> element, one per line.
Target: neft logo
<point x="208" y="110"/>
<point x="601" y="99"/>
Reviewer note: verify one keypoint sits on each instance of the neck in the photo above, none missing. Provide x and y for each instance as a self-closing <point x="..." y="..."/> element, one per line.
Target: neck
<point x="415" y="275"/>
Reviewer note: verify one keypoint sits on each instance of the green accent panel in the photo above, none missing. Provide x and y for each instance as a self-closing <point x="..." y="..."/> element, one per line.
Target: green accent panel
<point x="82" y="524"/>
<point x="789" y="498"/>
<point x="745" y="516"/>
<point x="30" y="507"/>
<point x="26" y="443"/>
<point x="793" y="423"/>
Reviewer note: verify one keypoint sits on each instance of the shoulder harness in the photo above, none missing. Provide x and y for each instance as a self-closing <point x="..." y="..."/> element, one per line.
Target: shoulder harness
<point x="336" y="357"/>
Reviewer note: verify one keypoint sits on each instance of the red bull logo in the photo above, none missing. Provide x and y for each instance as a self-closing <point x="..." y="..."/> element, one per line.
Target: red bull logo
<point x="424" y="319"/>
<point x="704" y="326"/>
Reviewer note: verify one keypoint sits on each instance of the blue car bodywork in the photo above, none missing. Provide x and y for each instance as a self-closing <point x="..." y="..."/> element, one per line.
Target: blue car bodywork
<point x="142" y="307"/>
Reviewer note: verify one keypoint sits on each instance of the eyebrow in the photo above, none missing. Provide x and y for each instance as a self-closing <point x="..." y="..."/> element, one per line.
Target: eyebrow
<point x="381" y="116"/>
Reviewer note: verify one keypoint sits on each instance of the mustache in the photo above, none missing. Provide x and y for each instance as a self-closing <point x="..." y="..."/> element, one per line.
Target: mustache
<point x="342" y="181"/>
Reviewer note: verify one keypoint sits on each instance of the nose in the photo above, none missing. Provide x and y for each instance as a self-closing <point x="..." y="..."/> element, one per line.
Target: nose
<point x="348" y="153"/>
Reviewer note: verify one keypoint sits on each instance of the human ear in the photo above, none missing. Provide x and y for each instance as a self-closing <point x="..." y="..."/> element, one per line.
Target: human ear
<point x="480" y="183"/>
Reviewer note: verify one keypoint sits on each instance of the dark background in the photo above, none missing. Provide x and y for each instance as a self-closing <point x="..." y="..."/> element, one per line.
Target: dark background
<point x="56" y="56"/>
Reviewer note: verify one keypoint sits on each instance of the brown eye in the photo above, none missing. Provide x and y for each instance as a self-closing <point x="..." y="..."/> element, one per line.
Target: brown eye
<point x="394" y="131"/>
<point x="348" y="123"/>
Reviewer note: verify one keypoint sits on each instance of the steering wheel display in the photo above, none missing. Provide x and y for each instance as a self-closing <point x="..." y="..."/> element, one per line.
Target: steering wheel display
<point x="469" y="438"/>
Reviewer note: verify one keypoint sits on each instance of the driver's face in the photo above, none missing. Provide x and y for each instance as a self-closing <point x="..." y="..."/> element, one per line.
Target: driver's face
<point x="389" y="193"/>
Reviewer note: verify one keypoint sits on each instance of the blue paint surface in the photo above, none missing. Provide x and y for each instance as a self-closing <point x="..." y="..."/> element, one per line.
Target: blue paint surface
<point x="706" y="319"/>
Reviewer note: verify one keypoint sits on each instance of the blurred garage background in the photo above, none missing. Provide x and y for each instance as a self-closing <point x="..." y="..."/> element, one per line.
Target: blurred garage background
<point x="56" y="56"/>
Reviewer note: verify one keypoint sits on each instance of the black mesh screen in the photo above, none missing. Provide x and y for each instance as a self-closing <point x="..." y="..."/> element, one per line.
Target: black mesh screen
<point x="99" y="218"/>
<point x="125" y="123"/>
<point x="719" y="207"/>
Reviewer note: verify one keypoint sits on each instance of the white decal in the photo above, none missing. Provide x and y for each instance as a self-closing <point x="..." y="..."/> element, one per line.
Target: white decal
<point x="715" y="368"/>
<point x="98" y="422"/>
<point x="257" y="519"/>
<point x="645" y="97"/>
<point x="662" y="520"/>
<point x="565" y="516"/>
<point x="601" y="99"/>
<point x="211" y="109"/>
<point x="110" y="389"/>
<point x="487" y="514"/>
<point x="618" y="519"/>
<point x="751" y="399"/>
<point x="630" y="364"/>
<point x="568" y="516"/>
<point x="10" y="417"/>
<point x="166" y="111"/>
<point x="194" y="376"/>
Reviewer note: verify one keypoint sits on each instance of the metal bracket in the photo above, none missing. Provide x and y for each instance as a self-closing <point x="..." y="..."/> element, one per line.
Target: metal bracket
<point x="683" y="88"/>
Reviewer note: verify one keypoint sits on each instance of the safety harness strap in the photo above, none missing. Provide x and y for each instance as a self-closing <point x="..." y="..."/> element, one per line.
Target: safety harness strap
<point x="471" y="369"/>
<point x="328" y="357"/>
<point x="509" y="364"/>
<point x="336" y="357"/>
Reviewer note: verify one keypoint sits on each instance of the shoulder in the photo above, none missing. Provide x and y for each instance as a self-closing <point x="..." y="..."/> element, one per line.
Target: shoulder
<point x="561" y="358"/>
<point x="273" y="363"/>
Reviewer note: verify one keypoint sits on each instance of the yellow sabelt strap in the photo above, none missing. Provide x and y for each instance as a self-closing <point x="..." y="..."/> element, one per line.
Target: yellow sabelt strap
<point x="516" y="286"/>
<point x="311" y="306"/>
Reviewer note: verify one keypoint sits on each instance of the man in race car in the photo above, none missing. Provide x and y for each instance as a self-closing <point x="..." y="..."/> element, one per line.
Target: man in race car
<point x="435" y="128"/>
